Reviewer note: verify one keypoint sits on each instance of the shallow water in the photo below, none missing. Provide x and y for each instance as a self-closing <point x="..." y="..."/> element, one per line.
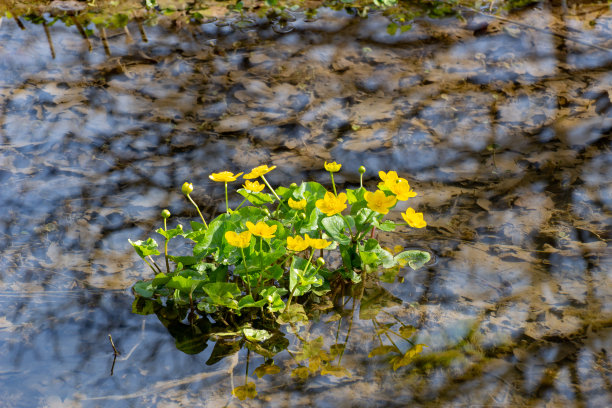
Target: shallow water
<point x="504" y="132"/>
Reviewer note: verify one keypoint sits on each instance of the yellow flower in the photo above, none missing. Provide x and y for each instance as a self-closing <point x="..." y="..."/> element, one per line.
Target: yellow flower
<point x="414" y="219"/>
<point x="379" y="202"/>
<point x="390" y="177"/>
<point x="402" y="190"/>
<point x="224" y="176"/>
<point x="261" y="229"/>
<point x="241" y="240"/>
<point x="332" y="167"/>
<point x="297" y="243"/>
<point x="317" y="243"/>
<point x="297" y="205"/>
<point x="259" y="171"/>
<point x="253" y="186"/>
<point x="330" y="204"/>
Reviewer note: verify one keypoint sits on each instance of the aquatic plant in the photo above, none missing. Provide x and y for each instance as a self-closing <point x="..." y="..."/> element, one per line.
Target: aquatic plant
<point x="258" y="263"/>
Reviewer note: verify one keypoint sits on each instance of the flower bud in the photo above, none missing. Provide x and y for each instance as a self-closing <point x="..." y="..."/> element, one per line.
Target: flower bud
<point x="362" y="169"/>
<point x="165" y="214"/>
<point x="302" y="216"/>
<point x="293" y="185"/>
<point x="320" y="262"/>
<point x="187" y="188"/>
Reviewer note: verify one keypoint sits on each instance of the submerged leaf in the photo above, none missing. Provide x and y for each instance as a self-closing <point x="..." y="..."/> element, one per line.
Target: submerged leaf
<point x="414" y="258"/>
<point x="266" y="369"/>
<point x="245" y="391"/>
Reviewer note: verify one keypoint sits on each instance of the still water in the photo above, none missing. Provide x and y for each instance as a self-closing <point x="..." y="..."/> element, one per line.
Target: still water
<point x="503" y="130"/>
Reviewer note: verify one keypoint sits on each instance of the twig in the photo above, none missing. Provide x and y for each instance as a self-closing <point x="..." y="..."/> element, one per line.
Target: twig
<point x="48" y="34"/>
<point x="541" y="30"/>
<point x="82" y="32"/>
<point x="117" y="353"/>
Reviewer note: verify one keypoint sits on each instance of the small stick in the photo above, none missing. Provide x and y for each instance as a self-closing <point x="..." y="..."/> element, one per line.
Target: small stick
<point x="128" y="35"/>
<point x="117" y="353"/>
<point x="105" y="41"/>
<point x="48" y="34"/>
<point x="19" y="23"/>
<point x="82" y="32"/>
<point x="143" y="35"/>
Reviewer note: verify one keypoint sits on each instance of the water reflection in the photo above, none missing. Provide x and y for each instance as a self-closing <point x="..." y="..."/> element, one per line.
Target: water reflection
<point x="509" y="150"/>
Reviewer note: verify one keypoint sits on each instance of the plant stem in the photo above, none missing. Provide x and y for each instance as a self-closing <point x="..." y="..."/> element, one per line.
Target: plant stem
<point x="166" y="248"/>
<point x="196" y="206"/>
<point x="156" y="266"/>
<point x="246" y="271"/>
<point x="273" y="192"/>
<point x="226" y="200"/>
<point x="333" y="184"/>
<point x="296" y="284"/>
<point x="243" y="201"/>
<point x="147" y="262"/>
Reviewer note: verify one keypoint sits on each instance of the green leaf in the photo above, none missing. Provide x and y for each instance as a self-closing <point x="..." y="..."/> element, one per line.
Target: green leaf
<point x="222" y="289"/>
<point x="384" y="226"/>
<point x="382" y="350"/>
<point x="407" y="331"/>
<point x="392" y="28"/>
<point x="256" y="198"/>
<point x="145" y="248"/>
<point x="368" y="258"/>
<point x="355" y="196"/>
<point x="171" y="233"/>
<point x="294" y="314"/>
<point x="385" y="258"/>
<point x="414" y="258"/>
<point x="144" y="288"/>
<point x="406" y="359"/>
<point x="160" y="280"/>
<point x="143" y="306"/>
<point x="222" y="294"/>
<point x="336" y="371"/>
<point x="185" y="285"/>
<point x="275" y="272"/>
<point x="266" y="369"/>
<point x="335" y="227"/>
<point x="247" y="301"/>
<point x="256" y="335"/>
<point x="223" y="348"/>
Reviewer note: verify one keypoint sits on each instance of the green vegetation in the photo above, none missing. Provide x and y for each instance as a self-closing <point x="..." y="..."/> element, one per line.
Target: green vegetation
<point x="257" y="260"/>
<point x="117" y="14"/>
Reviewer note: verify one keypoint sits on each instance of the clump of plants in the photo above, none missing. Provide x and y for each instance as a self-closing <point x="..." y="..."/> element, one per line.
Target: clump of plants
<point x="256" y="266"/>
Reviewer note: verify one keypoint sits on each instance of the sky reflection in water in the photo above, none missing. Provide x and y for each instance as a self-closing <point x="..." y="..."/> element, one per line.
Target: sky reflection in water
<point x="505" y="136"/>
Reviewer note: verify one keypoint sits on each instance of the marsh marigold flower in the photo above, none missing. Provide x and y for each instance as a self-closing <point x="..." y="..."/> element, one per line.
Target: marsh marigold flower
<point x="241" y="240"/>
<point x="297" y="243"/>
<point x="332" y="167"/>
<point x="259" y="171"/>
<point x="261" y="229"/>
<point x="402" y="190"/>
<point x="253" y="186"/>
<point x="331" y="204"/>
<point x="379" y="201"/>
<point x="388" y="178"/>
<point x="414" y="219"/>
<point x="224" y="176"/>
<point x="317" y="243"/>
<point x="297" y="205"/>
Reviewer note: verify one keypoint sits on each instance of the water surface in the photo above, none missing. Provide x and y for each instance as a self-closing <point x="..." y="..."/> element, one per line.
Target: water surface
<point x="504" y="131"/>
